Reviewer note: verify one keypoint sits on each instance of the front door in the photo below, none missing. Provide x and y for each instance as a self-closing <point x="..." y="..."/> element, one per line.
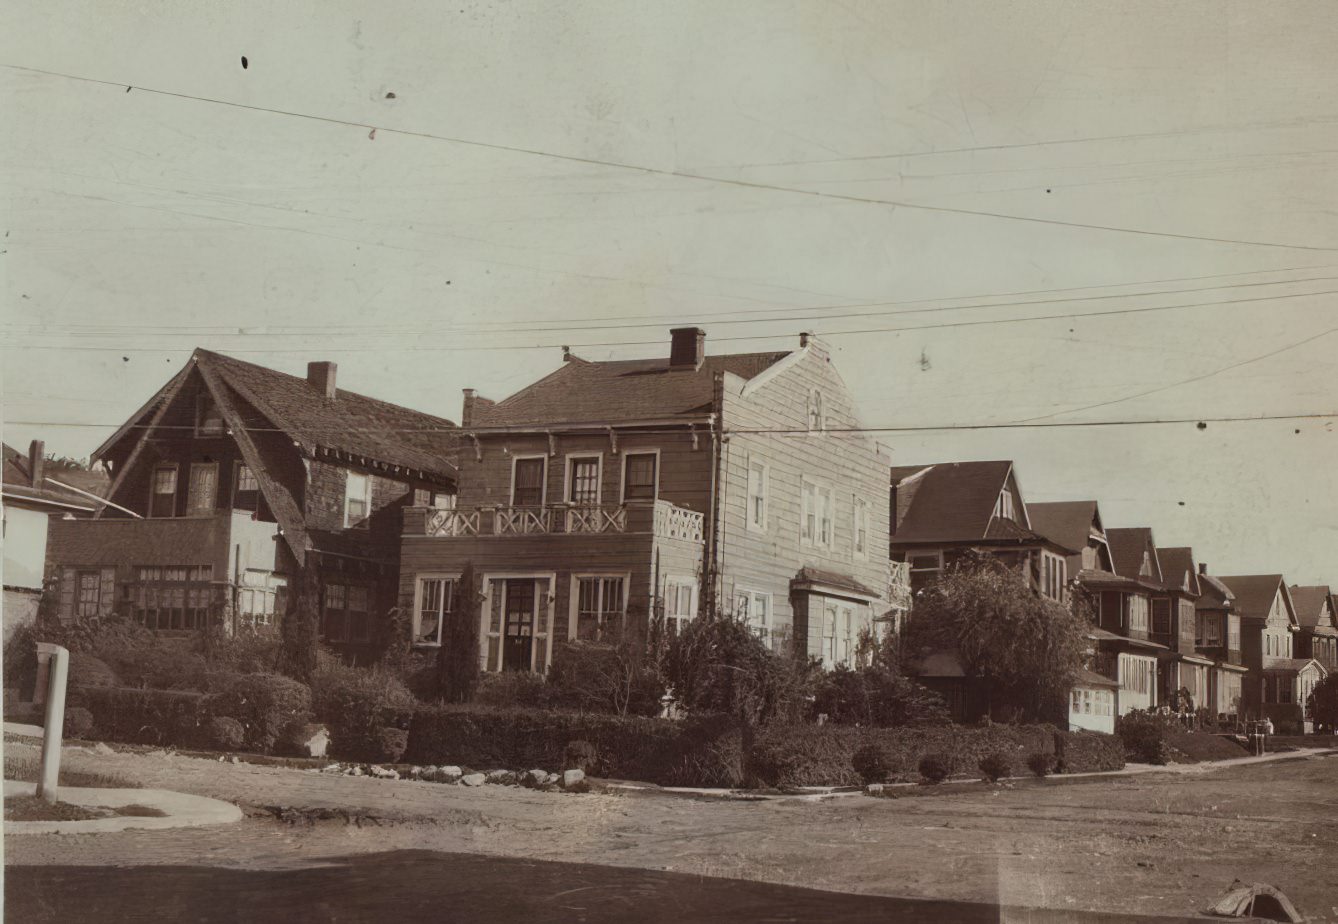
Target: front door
<point x="518" y="625"/>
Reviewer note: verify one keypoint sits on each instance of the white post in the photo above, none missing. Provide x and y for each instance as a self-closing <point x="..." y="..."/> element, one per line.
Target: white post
<point x="58" y="667"/>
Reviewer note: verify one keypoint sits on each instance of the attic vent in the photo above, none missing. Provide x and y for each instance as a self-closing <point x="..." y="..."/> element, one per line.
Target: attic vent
<point x="688" y="348"/>
<point x="321" y="376"/>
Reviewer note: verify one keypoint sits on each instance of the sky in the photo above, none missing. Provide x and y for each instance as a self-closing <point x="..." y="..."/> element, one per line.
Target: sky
<point x="992" y="212"/>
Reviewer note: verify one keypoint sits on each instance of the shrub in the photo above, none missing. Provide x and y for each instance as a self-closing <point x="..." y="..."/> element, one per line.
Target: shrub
<point x="170" y="664"/>
<point x="580" y="755"/>
<point x="876" y="696"/>
<point x="1088" y="752"/>
<point x="457" y="658"/>
<point x="701" y="751"/>
<point x="391" y="743"/>
<point x="996" y="766"/>
<point x="615" y="677"/>
<point x="513" y="689"/>
<point x="162" y="717"/>
<point x="357" y="704"/>
<point x="1144" y="736"/>
<point x="88" y="671"/>
<point x="1041" y="763"/>
<point x="78" y="722"/>
<point x="935" y="768"/>
<point x="266" y="705"/>
<point x="224" y="733"/>
<point x="249" y="651"/>
<point x="874" y="763"/>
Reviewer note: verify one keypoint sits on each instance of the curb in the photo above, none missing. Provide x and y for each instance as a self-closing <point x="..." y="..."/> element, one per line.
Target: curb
<point x="181" y="810"/>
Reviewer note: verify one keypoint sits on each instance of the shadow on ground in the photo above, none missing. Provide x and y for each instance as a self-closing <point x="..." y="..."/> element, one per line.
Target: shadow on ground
<point x="414" y="885"/>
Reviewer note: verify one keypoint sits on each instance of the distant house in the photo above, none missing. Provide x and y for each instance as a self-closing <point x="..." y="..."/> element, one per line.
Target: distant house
<point x="609" y="492"/>
<point x="1280" y="678"/>
<point x="1122" y="598"/>
<point x="30" y="502"/>
<point x="945" y="512"/>
<point x="1217" y="636"/>
<point x="1317" y="625"/>
<point x="1175" y="624"/>
<point x="233" y="479"/>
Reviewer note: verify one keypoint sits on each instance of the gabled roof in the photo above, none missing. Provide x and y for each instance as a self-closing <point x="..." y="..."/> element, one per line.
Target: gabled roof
<point x="1069" y="523"/>
<point x="19" y="487"/>
<point x="1255" y="593"/>
<point x="620" y="391"/>
<point x="1128" y="545"/>
<point x="1312" y="604"/>
<point x="1213" y="594"/>
<point x="1178" y="569"/>
<point x="954" y="502"/>
<point x="350" y="423"/>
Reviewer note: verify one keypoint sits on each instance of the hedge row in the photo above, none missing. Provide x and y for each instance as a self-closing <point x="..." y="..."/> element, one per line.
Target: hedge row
<point x="164" y="717"/>
<point x="704" y="751"/>
<point x="709" y="751"/>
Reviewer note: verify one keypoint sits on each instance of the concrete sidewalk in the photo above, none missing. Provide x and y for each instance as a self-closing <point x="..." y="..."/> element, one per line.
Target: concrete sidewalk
<point x="179" y="809"/>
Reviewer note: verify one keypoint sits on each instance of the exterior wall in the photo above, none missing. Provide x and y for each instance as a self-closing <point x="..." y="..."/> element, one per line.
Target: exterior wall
<point x="324" y="500"/>
<point x="1092" y="708"/>
<point x="1138" y="682"/>
<point x="20" y="609"/>
<point x="1226" y="694"/>
<point x="766" y="559"/>
<point x="25" y="547"/>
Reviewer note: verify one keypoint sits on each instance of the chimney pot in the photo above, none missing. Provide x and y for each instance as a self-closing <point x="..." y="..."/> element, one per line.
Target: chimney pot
<point x="803" y="339"/>
<point x="37" y="462"/>
<point x="687" y="348"/>
<point x="1203" y="567"/>
<point x="321" y="375"/>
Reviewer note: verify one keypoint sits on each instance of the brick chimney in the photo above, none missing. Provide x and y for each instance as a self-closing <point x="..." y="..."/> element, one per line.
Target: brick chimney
<point x="467" y="409"/>
<point x="1203" y="567"/>
<point x="37" y="462"/>
<point x="321" y="375"/>
<point x="687" y="348"/>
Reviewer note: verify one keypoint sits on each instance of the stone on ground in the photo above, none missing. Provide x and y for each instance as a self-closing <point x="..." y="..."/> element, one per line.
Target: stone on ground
<point x="572" y="777"/>
<point x="473" y="779"/>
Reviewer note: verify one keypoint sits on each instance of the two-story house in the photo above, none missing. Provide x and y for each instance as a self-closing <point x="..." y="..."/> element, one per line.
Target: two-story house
<point x="1184" y="671"/>
<point x="1280" y="680"/>
<point x="231" y="480"/>
<point x="608" y="492"/>
<point x="1123" y="601"/>
<point x="30" y="502"/>
<point x="944" y="513"/>
<point x="1217" y="636"/>
<point x="1317" y="625"/>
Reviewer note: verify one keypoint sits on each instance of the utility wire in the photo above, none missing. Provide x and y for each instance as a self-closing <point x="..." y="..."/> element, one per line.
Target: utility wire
<point x="680" y="174"/>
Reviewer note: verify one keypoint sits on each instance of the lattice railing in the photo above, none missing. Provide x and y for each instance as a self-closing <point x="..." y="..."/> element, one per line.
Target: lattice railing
<point x="452" y="523"/>
<point x="521" y="521"/>
<point x="673" y="522"/>
<point x="594" y="518"/>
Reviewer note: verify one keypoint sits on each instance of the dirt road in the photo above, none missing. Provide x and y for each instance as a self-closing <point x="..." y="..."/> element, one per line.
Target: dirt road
<point x="1150" y="844"/>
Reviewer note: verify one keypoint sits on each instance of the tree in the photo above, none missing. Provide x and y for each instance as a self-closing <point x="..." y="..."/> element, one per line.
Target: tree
<point x="458" y="656"/>
<point x="1026" y="649"/>
<point x="1322" y="704"/>
<point x="300" y="631"/>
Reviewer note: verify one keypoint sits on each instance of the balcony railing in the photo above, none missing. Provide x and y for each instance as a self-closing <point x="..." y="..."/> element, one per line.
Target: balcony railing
<point x="664" y="519"/>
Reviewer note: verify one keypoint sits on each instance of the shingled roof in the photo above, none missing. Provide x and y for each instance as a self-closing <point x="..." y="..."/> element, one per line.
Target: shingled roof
<point x="1213" y="594"/>
<point x="1067" y="522"/>
<point x="1127" y="546"/>
<point x="349" y="423"/>
<point x="1178" y="569"/>
<point x="616" y="391"/>
<point x="1254" y="592"/>
<point x="19" y="487"/>
<point x="1311" y="603"/>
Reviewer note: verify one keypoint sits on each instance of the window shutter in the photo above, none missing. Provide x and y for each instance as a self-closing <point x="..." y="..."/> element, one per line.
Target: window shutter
<point x="67" y="582"/>
<point x="107" y="595"/>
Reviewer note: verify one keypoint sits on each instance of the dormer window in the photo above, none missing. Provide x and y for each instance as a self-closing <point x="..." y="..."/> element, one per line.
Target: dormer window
<point x="1004" y="506"/>
<point x="208" y="420"/>
<point x="817" y="422"/>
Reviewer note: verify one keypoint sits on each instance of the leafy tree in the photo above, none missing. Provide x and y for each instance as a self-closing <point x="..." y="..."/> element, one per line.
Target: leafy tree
<point x="300" y="631"/>
<point x="875" y="696"/>
<point x="1026" y="649"/>
<point x="458" y="656"/>
<point x="1322" y="705"/>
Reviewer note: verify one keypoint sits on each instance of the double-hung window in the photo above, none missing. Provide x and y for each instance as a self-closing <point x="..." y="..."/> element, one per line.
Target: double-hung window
<point x="163" y="502"/>
<point x="600" y="607"/>
<point x="815" y="526"/>
<point x="680" y="603"/>
<point x="754" y="608"/>
<point x="757" y="496"/>
<point x="583" y="480"/>
<point x="1161" y="616"/>
<point x="859" y="527"/>
<point x="203" y="493"/>
<point x="357" y="499"/>
<point x="347" y="613"/>
<point x="436" y="603"/>
<point x="640" y="476"/>
<point x="245" y="489"/>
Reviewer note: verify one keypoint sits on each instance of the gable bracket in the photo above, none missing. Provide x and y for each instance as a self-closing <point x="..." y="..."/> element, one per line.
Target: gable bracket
<point x="613" y="440"/>
<point x="552" y="444"/>
<point x="478" y="447"/>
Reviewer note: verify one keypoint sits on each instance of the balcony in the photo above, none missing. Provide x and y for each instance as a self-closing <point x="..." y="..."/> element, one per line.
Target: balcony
<point x="661" y="519"/>
<point x="228" y="541"/>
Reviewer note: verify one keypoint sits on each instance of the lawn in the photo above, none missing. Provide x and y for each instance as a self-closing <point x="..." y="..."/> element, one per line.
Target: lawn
<point x="29" y="770"/>
<point x="31" y="808"/>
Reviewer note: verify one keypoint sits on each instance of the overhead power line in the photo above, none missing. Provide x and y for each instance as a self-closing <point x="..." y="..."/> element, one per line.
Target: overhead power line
<point x="679" y="174"/>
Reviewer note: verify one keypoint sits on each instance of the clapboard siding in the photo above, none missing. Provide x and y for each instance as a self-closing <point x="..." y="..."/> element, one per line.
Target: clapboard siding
<point x="849" y="463"/>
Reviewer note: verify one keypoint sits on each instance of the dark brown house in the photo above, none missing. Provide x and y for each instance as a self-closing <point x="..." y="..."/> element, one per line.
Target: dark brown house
<point x="1317" y="625"/>
<point x="1217" y="636"/>
<point x="1185" y="673"/>
<point x="231" y="479"/>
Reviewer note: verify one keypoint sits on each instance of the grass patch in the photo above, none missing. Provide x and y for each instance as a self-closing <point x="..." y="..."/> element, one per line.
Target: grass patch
<point x="29" y="770"/>
<point x="31" y="808"/>
<point x="1195" y="746"/>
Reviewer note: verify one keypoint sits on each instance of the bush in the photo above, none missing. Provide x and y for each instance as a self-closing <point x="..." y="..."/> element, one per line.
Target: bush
<point x="700" y="751"/>
<point x="874" y="763"/>
<point x="581" y="755"/>
<point x="391" y="743"/>
<point x="161" y="717"/>
<point x="78" y="722"/>
<point x="1041" y="763"/>
<point x="223" y="733"/>
<point x="1088" y="752"/>
<point x="935" y="768"/>
<point x="357" y="705"/>
<point x="1144" y="736"/>
<point x="617" y="678"/>
<point x="876" y="696"/>
<point x="170" y="664"/>
<point x="249" y="651"/>
<point x="513" y="690"/>
<point x="88" y="671"/>
<point x="996" y="766"/>
<point x="267" y="706"/>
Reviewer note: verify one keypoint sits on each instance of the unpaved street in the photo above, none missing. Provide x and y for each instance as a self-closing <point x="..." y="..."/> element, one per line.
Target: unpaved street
<point x="1150" y="844"/>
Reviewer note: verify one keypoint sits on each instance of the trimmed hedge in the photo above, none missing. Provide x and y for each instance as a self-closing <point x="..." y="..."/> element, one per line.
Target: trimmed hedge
<point x="1088" y="752"/>
<point x="267" y="705"/>
<point x="701" y="751"/>
<point x="163" y="717"/>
